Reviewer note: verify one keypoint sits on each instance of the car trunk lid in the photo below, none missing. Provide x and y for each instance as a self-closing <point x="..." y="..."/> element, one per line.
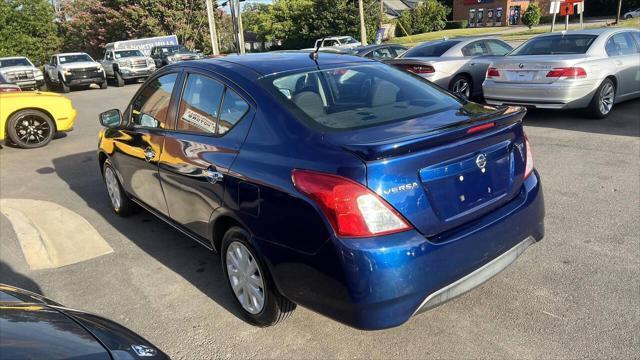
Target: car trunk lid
<point x="532" y="69"/>
<point x="444" y="170"/>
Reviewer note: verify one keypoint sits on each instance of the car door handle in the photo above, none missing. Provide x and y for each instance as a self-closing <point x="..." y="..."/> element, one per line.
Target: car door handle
<point x="213" y="176"/>
<point x="149" y="154"/>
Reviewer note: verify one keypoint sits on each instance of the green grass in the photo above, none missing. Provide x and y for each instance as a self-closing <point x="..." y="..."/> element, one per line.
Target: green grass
<point x="504" y="33"/>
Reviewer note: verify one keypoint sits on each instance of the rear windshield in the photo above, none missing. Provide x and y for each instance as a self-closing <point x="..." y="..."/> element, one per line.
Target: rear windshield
<point x="128" y="53"/>
<point x="555" y="44"/>
<point x="430" y="49"/>
<point x="357" y="96"/>
<point x="65" y="59"/>
<point x="15" y="62"/>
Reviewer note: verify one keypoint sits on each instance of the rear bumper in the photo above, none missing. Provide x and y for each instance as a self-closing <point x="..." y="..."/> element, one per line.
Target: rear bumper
<point x="558" y="95"/>
<point x="378" y="283"/>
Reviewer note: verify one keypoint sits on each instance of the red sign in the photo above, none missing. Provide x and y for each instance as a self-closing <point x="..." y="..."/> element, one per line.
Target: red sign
<point x="566" y="8"/>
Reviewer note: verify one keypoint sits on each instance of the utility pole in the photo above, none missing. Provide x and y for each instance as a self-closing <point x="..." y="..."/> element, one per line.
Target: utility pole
<point x="212" y="29"/>
<point x="363" y="29"/>
<point x="240" y="29"/>
<point x="618" y="12"/>
<point x="234" y="24"/>
<point x="381" y="13"/>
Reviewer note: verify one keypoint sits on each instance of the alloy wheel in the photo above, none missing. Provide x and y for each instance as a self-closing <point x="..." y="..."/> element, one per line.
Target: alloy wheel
<point x="607" y="96"/>
<point x="32" y="130"/>
<point x="461" y="87"/>
<point x="113" y="188"/>
<point x="245" y="277"/>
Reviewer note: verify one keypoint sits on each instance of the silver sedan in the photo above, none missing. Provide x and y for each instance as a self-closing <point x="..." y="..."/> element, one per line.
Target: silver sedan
<point x="458" y="65"/>
<point x="592" y="69"/>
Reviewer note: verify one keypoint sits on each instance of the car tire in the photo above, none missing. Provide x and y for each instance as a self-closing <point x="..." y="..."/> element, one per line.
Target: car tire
<point x="603" y="100"/>
<point x="119" y="82"/>
<point x="461" y="85"/>
<point x="63" y="87"/>
<point x="237" y="255"/>
<point x="121" y="204"/>
<point x="104" y="84"/>
<point x="628" y="17"/>
<point x="30" y="129"/>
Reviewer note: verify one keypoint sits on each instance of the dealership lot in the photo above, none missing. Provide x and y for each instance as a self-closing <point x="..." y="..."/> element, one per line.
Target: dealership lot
<point x="572" y="295"/>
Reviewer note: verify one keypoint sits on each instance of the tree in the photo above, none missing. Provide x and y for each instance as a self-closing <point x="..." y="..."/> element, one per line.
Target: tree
<point x="531" y="16"/>
<point x="27" y="28"/>
<point x="430" y="15"/>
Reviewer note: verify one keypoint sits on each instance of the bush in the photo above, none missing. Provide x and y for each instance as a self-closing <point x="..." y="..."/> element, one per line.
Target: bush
<point x="531" y="16"/>
<point x="458" y="24"/>
<point x="546" y="19"/>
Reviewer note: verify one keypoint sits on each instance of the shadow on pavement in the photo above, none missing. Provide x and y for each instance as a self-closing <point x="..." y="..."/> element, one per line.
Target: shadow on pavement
<point x="196" y="264"/>
<point x="624" y="120"/>
<point x="10" y="277"/>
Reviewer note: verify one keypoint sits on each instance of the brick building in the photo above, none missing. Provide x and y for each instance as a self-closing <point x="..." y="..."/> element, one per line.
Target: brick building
<point x="494" y="12"/>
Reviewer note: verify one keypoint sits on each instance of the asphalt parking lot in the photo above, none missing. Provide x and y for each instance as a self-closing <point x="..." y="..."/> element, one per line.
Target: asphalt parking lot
<point x="575" y="294"/>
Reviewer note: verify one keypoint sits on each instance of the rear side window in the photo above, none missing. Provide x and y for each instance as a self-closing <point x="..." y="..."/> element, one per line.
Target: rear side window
<point x="621" y="44"/>
<point x="555" y="45"/>
<point x="357" y="96"/>
<point x="200" y="103"/>
<point x="430" y="49"/>
<point x="498" y="47"/>
<point x="150" y="108"/>
<point x="477" y="48"/>
<point x="233" y="109"/>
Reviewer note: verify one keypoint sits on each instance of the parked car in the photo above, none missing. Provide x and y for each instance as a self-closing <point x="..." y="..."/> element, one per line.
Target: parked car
<point x="31" y="119"/>
<point x="68" y="70"/>
<point x="125" y="65"/>
<point x="379" y="52"/>
<point x="632" y="14"/>
<point x="35" y="327"/>
<point x="344" y="185"/>
<point x="458" y="65"/>
<point x="169" y="54"/>
<point x="345" y="42"/>
<point x="22" y="72"/>
<point x="592" y="69"/>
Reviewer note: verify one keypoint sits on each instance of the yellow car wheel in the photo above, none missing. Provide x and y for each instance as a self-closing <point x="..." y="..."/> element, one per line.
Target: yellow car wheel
<point x="30" y="129"/>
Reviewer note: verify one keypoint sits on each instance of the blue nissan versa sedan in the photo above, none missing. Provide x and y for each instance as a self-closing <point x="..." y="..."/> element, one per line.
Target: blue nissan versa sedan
<point x="338" y="183"/>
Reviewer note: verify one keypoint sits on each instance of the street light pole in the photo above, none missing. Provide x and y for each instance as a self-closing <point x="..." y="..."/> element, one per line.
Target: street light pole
<point x="212" y="29"/>
<point x="234" y="24"/>
<point x="240" y="29"/>
<point x="363" y="29"/>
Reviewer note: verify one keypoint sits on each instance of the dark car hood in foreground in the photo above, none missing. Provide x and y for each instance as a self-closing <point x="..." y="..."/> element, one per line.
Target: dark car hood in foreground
<point x="34" y="327"/>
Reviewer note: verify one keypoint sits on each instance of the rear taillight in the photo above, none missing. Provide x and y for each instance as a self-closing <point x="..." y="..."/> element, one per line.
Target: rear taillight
<point x="419" y="69"/>
<point x="492" y="72"/>
<point x="568" y="72"/>
<point x="352" y="209"/>
<point x="528" y="167"/>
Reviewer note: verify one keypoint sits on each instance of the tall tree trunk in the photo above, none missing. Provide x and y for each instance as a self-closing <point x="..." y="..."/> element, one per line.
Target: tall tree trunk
<point x="363" y="29"/>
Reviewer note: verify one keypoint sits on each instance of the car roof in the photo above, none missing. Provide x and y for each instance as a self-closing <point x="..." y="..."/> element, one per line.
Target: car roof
<point x="71" y="53"/>
<point x="275" y="62"/>
<point x="335" y="37"/>
<point x="13" y="57"/>
<point x="598" y="31"/>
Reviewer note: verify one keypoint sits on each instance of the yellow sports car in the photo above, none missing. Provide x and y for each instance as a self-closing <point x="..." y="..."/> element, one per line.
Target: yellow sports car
<point x="30" y="119"/>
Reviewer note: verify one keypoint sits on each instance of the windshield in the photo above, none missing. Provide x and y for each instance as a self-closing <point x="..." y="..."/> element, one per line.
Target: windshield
<point x="128" y="53"/>
<point x="65" y="59"/>
<point x="348" y="40"/>
<point x="356" y="96"/>
<point x="555" y="45"/>
<point x="175" y="49"/>
<point x="15" y="62"/>
<point x="430" y="49"/>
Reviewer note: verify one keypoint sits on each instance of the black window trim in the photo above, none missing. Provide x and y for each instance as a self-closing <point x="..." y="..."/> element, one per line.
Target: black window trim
<point x="219" y="79"/>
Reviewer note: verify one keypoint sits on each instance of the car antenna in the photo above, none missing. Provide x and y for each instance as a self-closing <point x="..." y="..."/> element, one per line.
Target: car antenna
<point x="314" y="54"/>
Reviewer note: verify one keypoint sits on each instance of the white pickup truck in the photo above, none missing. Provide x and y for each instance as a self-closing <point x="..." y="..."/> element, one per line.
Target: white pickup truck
<point x="73" y="69"/>
<point x="20" y="71"/>
<point x="127" y="64"/>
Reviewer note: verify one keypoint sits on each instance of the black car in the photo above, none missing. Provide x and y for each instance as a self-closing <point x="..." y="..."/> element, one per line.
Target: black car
<point x="169" y="54"/>
<point x="34" y="327"/>
<point x="379" y="52"/>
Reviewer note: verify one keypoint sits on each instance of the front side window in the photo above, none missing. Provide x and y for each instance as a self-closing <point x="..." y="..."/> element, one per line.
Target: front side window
<point x="621" y="44"/>
<point x="200" y="103"/>
<point x="150" y="108"/>
<point x="65" y="59"/>
<point x="555" y="45"/>
<point x="357" y="96"/>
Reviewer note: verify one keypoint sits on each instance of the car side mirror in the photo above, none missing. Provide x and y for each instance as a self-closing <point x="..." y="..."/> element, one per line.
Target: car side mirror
<point x="111" y="118"/>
